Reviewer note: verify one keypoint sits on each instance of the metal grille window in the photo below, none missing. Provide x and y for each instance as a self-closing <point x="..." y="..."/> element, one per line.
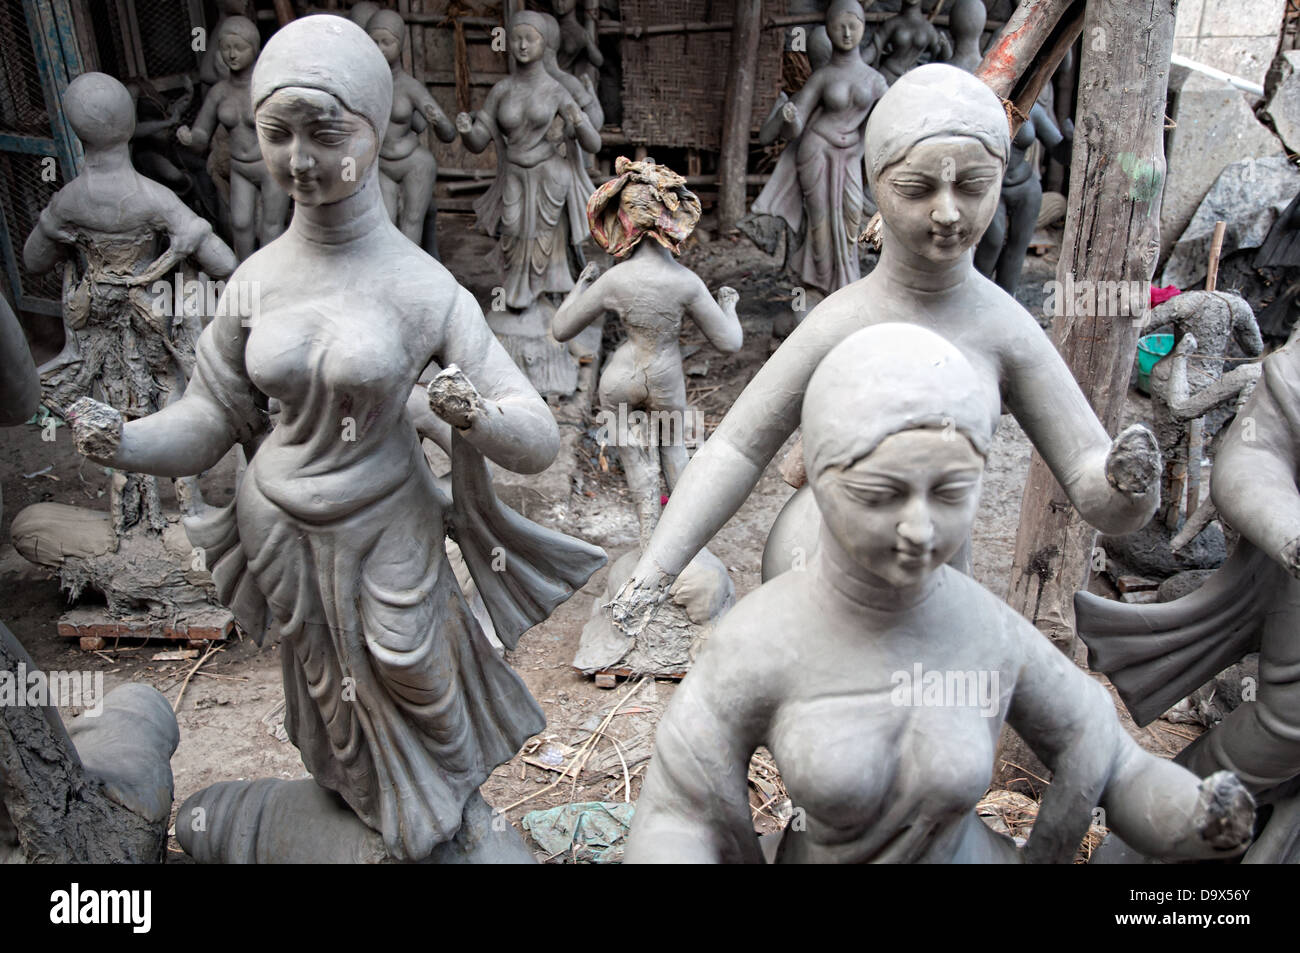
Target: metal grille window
<point x="146" y="38"/>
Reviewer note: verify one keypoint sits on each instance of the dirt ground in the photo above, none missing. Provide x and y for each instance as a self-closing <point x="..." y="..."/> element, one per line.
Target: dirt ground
<point x="232" y="707"/>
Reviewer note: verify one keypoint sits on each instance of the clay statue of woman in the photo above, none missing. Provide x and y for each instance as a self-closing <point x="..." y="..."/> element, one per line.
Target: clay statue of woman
<point x="648" y="201"/>
<point x="880" y="678"/>
<point x="1158" y="654"/>
<point x="936" y="148"/>
<point x="966" y="20"/>
<point x="537" y="205"/>
<point x="118" y="234"/>
<point x="579" y="51"/>
<point x="335" y="540"/>
<point x="1001" y="252"/>
<point x="817" y="184"/>
<point x="407" y="169"/>
<point x="212" y="65"/>
<point x="902" y="39"/>
<point x="228" y="104"/>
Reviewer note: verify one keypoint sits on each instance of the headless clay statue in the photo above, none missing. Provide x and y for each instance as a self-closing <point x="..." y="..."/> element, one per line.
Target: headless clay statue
<point x="1001" y="252"/>
<point x="335" y="540"/>
<point x="122" y="239"/>
<point x="536" y="207"/>
<point x="641" y="217"/>
<point x="407" y="169"/>
<point x="936" y="148"/>
<point x="844" y="670"/>
<point x="1156" y="655"/>
<point x="817" y="185"/>
<point x="901" y="40"/>
<point x="227" y="103"/>
<point x="966" y="20"/>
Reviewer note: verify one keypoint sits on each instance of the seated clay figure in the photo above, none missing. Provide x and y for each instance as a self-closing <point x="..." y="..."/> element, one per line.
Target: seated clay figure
<point x="937" y="144"/>
<point x="880" y="678"/>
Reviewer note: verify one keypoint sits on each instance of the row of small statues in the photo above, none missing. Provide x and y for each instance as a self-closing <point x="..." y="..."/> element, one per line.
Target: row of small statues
<point x="394" y="697"/>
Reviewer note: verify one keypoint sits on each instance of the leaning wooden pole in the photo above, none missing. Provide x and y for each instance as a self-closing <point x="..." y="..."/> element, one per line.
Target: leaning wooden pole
<point x="1111" y="235"/>
<point x="738" y="111"/>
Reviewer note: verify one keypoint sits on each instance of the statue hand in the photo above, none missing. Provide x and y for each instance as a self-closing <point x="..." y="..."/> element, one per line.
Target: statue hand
<point x="789" y="112"/>
<point x="727" y="298"/>
<point x="589" y="274"/>
<point x="464" y="123"/>
<point x="572" y="113"/>
<point x="96" y="429"/>
<point x="639" y="599"/>
<point x="185" y="136"/>
<point x="1289" y="557"/>
<point x="1226" y="813"/>
<point x="453" y="398"/>
<point x="1133" y="464"/>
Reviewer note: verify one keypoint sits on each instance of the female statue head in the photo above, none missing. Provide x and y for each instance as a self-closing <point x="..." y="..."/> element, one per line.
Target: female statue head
<point x="642" y="199"/>
<point x="936" y="148"/>
<point x="895" y="433"/>
<point x="361" y="13"/>
<point x="239" y="42"/>
<point x="388" y="30"/>
<point x="322" y="94"/>
<point x="845" y="23"/>
<point x="966" y="19"/>
<point x="528" y="30"/>
<point x="100" y="110"/>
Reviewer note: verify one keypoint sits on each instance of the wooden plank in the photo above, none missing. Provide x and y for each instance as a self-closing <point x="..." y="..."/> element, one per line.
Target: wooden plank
<point x="738" y="112"/>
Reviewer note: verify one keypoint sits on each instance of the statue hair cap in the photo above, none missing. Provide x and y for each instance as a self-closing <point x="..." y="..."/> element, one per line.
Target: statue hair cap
<point x="838" y="7"/>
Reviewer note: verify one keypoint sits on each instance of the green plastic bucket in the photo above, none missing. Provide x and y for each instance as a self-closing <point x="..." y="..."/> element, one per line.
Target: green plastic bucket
<point x="1151" y="348"/>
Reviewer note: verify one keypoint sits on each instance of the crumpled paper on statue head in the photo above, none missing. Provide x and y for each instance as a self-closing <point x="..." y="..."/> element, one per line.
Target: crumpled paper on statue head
<point x="664" y="208"/>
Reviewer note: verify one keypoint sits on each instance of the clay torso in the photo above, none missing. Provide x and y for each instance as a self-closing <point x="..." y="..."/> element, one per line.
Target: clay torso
<point x="400" y="139"/>
<point x="235" y="112"/>
<point x="847" y="96"/>
<point x="525" y="115"/>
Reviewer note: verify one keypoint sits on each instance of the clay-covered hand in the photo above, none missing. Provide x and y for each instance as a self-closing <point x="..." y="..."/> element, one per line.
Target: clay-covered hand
<point x="185" y="136"/>
<point x="464" y="123"/>
<point x="727" y="298"/>
<point x="789" y="112"/>
<point x="1133" y="464"/>
<point x="1289" y="557"/>
<point x="635" y="604"/>
<point x="589" y="274"/>
<point x="96" y="429"/>
<point x="1225" y="814"/>
<point x="453" y="398"/>
<point x="572" y="114"/>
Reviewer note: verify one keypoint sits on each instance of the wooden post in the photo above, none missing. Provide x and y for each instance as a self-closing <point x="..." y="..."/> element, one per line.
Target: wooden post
<point x="1111" y="235"/>
<point x="738" y="112"/>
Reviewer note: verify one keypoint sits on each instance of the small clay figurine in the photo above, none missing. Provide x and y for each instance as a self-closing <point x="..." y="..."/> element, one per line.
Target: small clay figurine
<point x="817" y="184"/>
<point x="335" y="540"/>
<point x="641" y="217"/>
<point x="227" y="103"/>
<point x="880" y="678"/>
<point x="966" y="19"/>
<point x="118" y="233"/>
<point x="407" y="170"/>
<point x="901" y="40"/>
<point x="936" y="149"/>
<point x="1001" y="252"/>
<point x="1156" y="655"/>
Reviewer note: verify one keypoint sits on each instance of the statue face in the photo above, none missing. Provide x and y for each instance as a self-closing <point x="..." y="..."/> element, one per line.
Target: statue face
<point x="940" y="197"/>
<point x="563" y="7"/>
<point x="845" y="31"/>
<point x="237" y="51"/>
<point x="389" y="45"/>
<point x="526" y="43"/>
<point x="315" y="149"/>
<point x="902" y="511"/>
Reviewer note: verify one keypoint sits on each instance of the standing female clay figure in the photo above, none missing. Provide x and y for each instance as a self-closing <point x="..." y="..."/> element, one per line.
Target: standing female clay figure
<point x="936" y="148"/>
<point x="817" y="184"/>
<point x="228" y="104"/>
<point x="1000" y="254"/>
<point x="407" y="169"/>
<point x="536" y="205"/>
<point x="901" y="40"/>
<point x="212" y="66"/>
<point x="651" y="293"/>
<point x="845" y="670"/>
<point x="578" y="50"/>
<point x="1158" y="654"/>
<point x="335" y="539"/>
<point x="966" y="20"/>
<point x="118" y="233"/>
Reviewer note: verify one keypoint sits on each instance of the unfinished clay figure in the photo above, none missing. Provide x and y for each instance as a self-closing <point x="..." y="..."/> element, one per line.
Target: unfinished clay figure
<point x="335" y="539"/>
<point x="407" y="169"/>
<point x="817" y="184"/>
<point x="936" y="148"/>
<point x="1157" y="654"/>
<point x="641" y="217"/>
<point x="212" y="65"/>
<point x="966" y="19"/>
<point x="579" y="52"/>
<point x="880" y="678"/>
<point x="228" y="104"/>
<point x="118" y="234"/>
<point x="902" y="40"/>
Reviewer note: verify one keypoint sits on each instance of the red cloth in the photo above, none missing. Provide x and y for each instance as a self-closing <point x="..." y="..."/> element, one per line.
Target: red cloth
<point x="1160" y="295"/>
